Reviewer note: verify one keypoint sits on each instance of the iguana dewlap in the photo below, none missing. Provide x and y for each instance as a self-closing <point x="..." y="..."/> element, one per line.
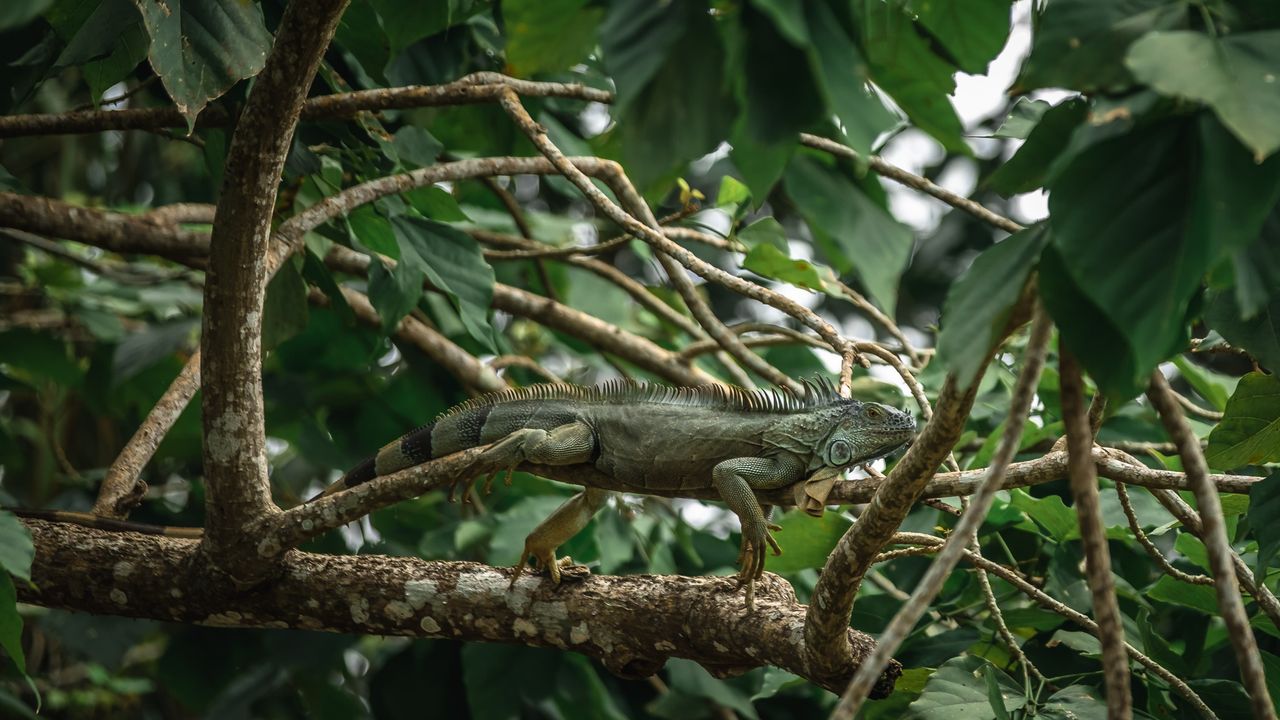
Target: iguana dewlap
<point x="658" y="440"/>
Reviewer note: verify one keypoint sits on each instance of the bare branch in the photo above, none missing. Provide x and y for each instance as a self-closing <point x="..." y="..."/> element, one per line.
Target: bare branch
<point x="1084" y="490"/>
<point x="1122" y="494"/>
<point x="112" y="231"/>
<point x="1215" y="541"/>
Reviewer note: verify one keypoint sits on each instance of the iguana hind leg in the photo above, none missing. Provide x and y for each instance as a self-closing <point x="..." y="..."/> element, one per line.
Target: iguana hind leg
<point x="568" y="444"/>
<point x="735" y="479"/>
<point x="567" y="521"/>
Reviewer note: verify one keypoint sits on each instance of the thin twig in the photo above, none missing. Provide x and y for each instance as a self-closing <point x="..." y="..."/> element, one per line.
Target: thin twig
<point x="1122" y="494"/>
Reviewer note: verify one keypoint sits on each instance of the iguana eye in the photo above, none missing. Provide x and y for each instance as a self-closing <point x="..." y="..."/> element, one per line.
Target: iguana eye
<point x="840" y="452"/>
<point x="874" y="412"/>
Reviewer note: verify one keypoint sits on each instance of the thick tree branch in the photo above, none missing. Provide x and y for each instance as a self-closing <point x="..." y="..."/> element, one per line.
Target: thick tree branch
<point x="1215" y="541"/>
<point x="631" y="624"/>
<point x="1084" y="489"/>
<point x="238" y="492"/>
<point x="112" y="231"/>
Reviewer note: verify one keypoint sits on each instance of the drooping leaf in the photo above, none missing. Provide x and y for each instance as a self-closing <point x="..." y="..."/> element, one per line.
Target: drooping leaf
<point x="1260" y="335"/>
<point x="11" y="623"/>
<point x="840" y="68"/>
<point x="452" y="261"/>
<point x="903" y="64"/>
<point x="16" y="548"/>
<point x="1074" y="702"/>
<point x="1257" y="268"/>
<point x="1081" y="44"/>
<point x="1196" y="597"/>
<point x="200" y="48"/>
<point x="636" y="36"/>
<point x="980" y="302"/>
<point x="972" y="32"/>
<point x="873" y="245"/>
<point x="1249" y="432"/>
<point x="1131" y="193"/>
<point x="1235" y="75"/>
<point x="1264" y="519"/>
<point x="284" y="310"/>
<point x="769" y="261"/>
<point x="959" y="689"/>
<point x="549" y="35"/>
<point x="1028" y="168"/>
<point x="408" y="22"/>
<point x="780" y="92"/>
<point x="1022" y="118"/>
<point x="1050" y="513"/>
<point x="19" y="12"/>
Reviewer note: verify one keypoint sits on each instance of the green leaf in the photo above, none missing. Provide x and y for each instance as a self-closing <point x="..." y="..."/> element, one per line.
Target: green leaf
<point x="1081" y="642"/>
<point x="1212" y="386"/>
<point x="1081" y="44"/>
<point x="437" y="204"/>
<point x="1132" y="192"/>
<point x="959" y="690"/>
<point x="872" y="243"/>
<point x="732" y="192"/>
<point x="1196" y="597"/>
<point x="779" y="84"/>
<point x="1236" y="75"/>
<point x="980" y="302"/>
<point x="548" y="35"/>
<point x="416" y="147"/>
<point x="284" y="311"/>
<point x="1074" y="702"/>
<point x="636" y="36"/>
<point x="19" y="12"/>
<point x="393" y="293"/>
<point x="16" y="549"/>
<point x="1050" y="513"/>
<point x="1260" y="335"/>
<point x="1264" y="519"/>
<point x="28" y="354"/>
<point x="1257" y="268"/>
<point x="684" y="111"/>
<point x="200" y="48"/>
<point x="903" y="64"/>
<point x="842" y="73"/>
<point x="765" y="231"/>
<point x="973" y="31"/>
<point x="452" y="261"/>
<point x="807" y="541"/>
<point x="408" y="22"/>
<point x="769" y="261"/>
<point x="1249" y="432"/>
<point x="1029" y="167"/>
<point x="1022" y="118"/>
<point x="11" y="623"/>
<point x="691" y="678"/>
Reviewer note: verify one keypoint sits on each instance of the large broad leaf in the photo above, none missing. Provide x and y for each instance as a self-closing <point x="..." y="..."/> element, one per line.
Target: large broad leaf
<point x="1131" y="240"/>
<point x="107" y="41"/>
<point x="16" y="548"/>
<point x="960" y="689"/>
<point x="200" y="48"/>
<point x="18" y="12"/>
<point x="1257" y="268"/>
<point x="1236" y="75"/>
<point x="11" y="623"/>
<point x="973" y="31"/>
<point x="1264" y="520"/>
<point x="452" y="261"/>
<point x="903" y="65"/>
<point x="841" y="71"/>
<point x="407" y="22"/>
<point x="871" y="242"/>
<point x="684" y="110"/>
<point x="1260" y="334"/>
<point x="636" y="37"/>
<point x="979" y="303"/>
<point x="1028" y="168"/>
<point x="779" y="90"/>
<point x="549" y="35"/>
<point x="807" y="541"/>
<point x="1081" y="44"/>
<point x="1249" y="432"/>
<point x="1074" y="702"/>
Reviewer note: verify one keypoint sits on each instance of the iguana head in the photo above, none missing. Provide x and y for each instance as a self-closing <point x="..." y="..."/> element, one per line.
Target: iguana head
<point x="863" y="431"/>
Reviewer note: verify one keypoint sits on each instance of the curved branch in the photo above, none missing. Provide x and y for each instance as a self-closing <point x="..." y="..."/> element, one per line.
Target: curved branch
<point x="631" y="624"/>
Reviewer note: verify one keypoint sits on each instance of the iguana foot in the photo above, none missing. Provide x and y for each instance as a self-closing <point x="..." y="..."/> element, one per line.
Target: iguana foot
<point x="751" y="556"/>
<point x="563" y="569"/>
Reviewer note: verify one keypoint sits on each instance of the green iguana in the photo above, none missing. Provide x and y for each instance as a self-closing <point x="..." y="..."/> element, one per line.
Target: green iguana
<point x="647" y="439"/>
<point x="656" y="440"/>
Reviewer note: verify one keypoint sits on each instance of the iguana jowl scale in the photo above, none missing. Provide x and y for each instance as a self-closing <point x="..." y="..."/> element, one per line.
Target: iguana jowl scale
<point x="658" y="440"/>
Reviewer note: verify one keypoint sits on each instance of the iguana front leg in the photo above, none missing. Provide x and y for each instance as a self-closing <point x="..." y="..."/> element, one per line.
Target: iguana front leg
<point x="569" y="444"/>
<point x="735" y="479"/>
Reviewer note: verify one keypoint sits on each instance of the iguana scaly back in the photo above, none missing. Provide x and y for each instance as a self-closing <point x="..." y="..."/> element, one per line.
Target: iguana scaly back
<point x="658" y="440"/>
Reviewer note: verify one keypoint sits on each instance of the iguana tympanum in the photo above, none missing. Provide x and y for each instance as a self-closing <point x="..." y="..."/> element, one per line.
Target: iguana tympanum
<point x="656" y="440"/>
